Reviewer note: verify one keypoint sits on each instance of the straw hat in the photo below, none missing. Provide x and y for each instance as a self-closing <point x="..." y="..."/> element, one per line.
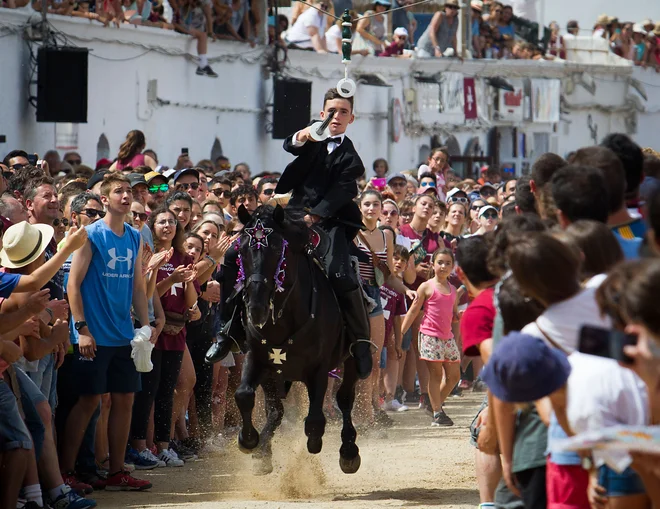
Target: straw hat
<point x="603" y="19"/>
<point x="638" y="29"/>
<point x="23" y="243"/>
<point x="453" y="3"/>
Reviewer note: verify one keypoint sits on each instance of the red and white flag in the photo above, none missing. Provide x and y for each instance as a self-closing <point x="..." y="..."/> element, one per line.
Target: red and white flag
<point x="470" y="99"/>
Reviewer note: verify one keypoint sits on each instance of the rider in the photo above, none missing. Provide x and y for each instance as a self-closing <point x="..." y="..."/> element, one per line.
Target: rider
<point x="322" y="180"/>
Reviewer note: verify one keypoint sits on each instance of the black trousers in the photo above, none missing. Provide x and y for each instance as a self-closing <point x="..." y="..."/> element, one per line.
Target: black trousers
<point x="337" y="259"/>
<point x="533" y="487"/>
<point x="198" y="344"/>
<point x="157" y="389"/>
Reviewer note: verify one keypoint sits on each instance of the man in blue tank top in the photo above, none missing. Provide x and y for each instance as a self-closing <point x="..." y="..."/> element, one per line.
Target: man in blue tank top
<point x="105" y="280"/>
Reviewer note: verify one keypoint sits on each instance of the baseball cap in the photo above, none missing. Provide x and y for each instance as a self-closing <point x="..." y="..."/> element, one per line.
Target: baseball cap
<point x="488" y="185"/>
<point x="453" y="192"/>
<point x="168" y="173"/>
<point x="96" y="178"/>
<point x="401" y="31"/>
<point x="397" y="176"/>
<point x="186" y="171"/>
<point x="152" y="175"/>
<point x="136" y="179"/>
<point x="222" y="173"/>
<point x="485" y="209"/>
<point x="524" y="368"/>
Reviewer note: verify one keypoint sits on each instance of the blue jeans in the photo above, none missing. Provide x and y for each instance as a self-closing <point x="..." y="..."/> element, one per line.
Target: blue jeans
<point x="46" y="379"/>
<point x="620" y="484"/>
<point x="30" y="397"/>
<point x="13" y="431"/>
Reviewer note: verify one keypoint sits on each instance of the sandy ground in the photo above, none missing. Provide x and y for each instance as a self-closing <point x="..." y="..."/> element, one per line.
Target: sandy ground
<point x="409" y="465"/>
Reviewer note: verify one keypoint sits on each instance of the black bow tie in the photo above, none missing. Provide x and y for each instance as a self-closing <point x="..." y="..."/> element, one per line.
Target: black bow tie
<point x="336" y="140"/>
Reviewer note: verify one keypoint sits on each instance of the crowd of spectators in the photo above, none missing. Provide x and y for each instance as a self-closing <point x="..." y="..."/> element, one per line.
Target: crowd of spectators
<point x="134" y="248"/>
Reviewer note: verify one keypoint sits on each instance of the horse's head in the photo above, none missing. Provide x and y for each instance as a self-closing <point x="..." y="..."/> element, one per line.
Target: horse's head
<point x="269" y="237"/>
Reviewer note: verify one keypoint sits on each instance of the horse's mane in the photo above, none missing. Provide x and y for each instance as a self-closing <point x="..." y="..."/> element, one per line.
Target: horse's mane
<point x="293" y="228"/>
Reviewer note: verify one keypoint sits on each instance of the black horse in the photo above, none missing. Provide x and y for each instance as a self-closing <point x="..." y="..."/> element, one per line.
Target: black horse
<point x="294" y="332"/>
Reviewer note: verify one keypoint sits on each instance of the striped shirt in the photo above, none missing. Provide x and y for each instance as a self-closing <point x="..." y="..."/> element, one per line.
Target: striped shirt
<point x="367" y="269"/>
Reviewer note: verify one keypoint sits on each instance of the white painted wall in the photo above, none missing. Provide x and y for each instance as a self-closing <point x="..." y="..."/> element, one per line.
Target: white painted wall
<point x="231" y="108"/>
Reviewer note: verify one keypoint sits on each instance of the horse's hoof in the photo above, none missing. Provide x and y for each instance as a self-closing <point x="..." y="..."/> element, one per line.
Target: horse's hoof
<point x="350" y="466"/>
<point x="314" y="445"/>
<point x="247" y="446"/>
<point x="262" y="465"/>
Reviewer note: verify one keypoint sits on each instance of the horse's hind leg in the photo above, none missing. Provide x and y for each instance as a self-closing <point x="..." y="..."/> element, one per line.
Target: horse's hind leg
<point x="349" y="453"/>
<point x="274" y="414"/>
<point x="315" y="420"/>
<point x="248" y="437"/>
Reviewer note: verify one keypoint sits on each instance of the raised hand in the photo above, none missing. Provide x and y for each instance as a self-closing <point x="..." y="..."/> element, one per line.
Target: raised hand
<point x="38" y="301"/>
<point x="159" y="259"/>
<point x="59" y="308"/>
<point x="76" y="238"/>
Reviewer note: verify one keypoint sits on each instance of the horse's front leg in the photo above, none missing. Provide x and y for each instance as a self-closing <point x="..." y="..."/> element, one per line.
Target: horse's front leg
<point x="274" y="413"/>
<point x="317" y="384"/>
<point x="248" y="437"/>
<point x="349" y="453"/>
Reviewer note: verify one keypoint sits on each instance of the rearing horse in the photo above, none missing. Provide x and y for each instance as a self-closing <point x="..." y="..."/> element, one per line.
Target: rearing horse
<point x="294" y="332"/>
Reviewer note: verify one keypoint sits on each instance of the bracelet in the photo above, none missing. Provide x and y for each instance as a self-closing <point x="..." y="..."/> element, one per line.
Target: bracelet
<point x="50" y="313"/>
<point x="212" y="260"/>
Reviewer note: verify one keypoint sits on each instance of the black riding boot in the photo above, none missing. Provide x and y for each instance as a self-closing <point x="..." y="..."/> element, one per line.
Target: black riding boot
<point x="357" y="322"/>
<point x="231" y="336"/>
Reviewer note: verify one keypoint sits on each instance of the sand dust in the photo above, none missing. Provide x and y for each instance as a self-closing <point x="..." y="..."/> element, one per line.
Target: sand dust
<point x="410" y="465"/>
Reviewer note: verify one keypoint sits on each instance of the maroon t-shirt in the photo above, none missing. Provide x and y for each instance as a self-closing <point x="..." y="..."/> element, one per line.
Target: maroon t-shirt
<point x="423" y="249"/>
<point x="477" y="322"/>
<point x="394" y="304"/>
<point x="174" y="300"/>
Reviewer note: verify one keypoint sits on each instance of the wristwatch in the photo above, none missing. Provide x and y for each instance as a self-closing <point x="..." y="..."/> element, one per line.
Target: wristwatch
<point x="79" y="325"/>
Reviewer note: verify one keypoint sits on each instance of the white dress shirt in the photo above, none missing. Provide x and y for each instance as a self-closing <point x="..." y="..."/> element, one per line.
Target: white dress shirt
<point x="331" y="145"/>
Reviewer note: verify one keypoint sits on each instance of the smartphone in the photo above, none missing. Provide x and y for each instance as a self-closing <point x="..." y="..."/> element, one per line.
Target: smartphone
<point x="32" y="159"/>
<point x="605" y="343"/>
<point x="184" y="150"/>
<point x="379" y="183"/>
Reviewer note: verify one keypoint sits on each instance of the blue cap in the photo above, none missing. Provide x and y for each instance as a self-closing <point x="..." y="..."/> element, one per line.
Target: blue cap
<point x="524" y="368"/>
<point x="186" y="171"/>
<point x="397" y="176"/>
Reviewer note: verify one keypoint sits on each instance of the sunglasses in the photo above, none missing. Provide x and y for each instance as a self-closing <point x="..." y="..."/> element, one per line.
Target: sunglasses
<point x="458" y="199"/>
<point x="64" y="222"/>
<point x="388" y="213"/>
<point x="142" y="216"/>
<point x="221" y="192"/>
<point x="92" y="213"/>
<point x="476" y="207"/>
<point x="225" y="166"/>
<point x="163" y="188"/>
<point x="489" y="215"/>
<point x="7" y="174"/>
<point x="268" y="192"/>
<point x="73" y="162"/>
<point x="427" y="184"/>
<point x="185" y="187"/>
<point x="452" y="7"/>
<point x="17" y="166"/>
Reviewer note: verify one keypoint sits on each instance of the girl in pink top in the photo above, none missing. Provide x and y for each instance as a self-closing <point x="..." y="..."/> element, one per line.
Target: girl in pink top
<point x="130" y="153"/>
<point x="436" y="339"/>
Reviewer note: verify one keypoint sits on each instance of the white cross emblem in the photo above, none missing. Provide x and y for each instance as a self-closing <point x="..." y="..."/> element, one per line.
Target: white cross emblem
<point x="114" y="258"/>
<point x="277" y="356"/>
<point x="174" y="287"/>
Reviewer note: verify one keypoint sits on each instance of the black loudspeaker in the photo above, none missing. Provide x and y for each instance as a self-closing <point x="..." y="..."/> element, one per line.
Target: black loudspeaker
<point x="62" y="85"/>
<point x="291" y="112"/>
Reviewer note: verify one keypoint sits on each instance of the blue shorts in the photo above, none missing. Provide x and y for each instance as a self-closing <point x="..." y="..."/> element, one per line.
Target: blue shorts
<point x="406" y="341"/>
<point x="112" y="370"/>
<point x="620" y="484"/>
<point x="13" y="431"/>
<point x="373" y="291"/>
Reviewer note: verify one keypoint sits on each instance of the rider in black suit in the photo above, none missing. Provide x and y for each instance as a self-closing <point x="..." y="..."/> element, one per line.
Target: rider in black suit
<point x="323" y="183"/>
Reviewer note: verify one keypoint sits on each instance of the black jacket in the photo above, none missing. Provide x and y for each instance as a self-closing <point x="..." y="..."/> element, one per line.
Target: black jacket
<point x="324" y="184"/>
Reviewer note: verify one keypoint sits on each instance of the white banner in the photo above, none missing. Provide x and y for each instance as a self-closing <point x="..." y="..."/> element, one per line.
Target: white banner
<point x="512" y="104"/>
<point x="545" y="100"/>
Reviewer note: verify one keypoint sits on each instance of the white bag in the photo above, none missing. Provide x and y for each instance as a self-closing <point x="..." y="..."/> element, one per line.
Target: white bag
<point x="142" y="347"/>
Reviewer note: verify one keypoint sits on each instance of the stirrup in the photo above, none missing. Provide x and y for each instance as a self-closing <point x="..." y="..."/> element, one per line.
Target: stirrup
<point x="373" y="348"/>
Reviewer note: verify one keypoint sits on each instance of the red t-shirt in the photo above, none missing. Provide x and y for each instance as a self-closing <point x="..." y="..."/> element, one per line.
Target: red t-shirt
<point x="423" y="251"/>
<point x="174" y="300"/>
<point x="477" y="322"/>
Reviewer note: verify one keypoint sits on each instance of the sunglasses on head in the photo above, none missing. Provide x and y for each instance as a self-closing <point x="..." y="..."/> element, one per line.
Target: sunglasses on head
<point x="427" y="184"/>
<point x="458" y="199"/>
<point x="163" y="188"/>
<point x="64" y="222"/>
<point x="221" y="192"/>
<point x="185" y="187"/>
<point x="142" y="216"/>
<point x="92" y="213"/>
